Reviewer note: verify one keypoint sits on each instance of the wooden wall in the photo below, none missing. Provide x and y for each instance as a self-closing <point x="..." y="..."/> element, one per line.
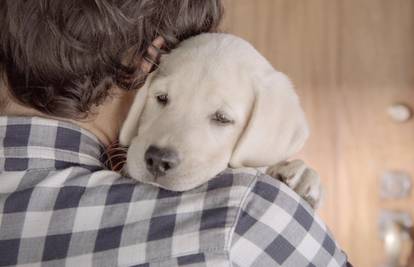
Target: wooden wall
<point x="350" y="60"/>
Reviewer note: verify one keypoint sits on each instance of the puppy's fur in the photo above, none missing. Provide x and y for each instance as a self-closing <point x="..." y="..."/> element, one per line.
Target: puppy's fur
<point x="205" y="76"/>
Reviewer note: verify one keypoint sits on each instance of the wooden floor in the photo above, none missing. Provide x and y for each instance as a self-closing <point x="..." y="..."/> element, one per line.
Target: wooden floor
<point x="350" y="60"/>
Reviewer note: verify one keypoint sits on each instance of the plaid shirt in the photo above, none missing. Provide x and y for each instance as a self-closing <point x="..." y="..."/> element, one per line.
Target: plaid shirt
<point x="59" y="206"/>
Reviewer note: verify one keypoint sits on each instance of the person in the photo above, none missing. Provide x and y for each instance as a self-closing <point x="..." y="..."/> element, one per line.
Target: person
<point x="70" y="70"/>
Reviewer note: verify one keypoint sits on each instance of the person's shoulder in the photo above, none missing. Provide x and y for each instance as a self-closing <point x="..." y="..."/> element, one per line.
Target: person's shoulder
<point x="229" y="185"/>
<point x="224" y="192"/>
<point x="275" y="226"/>
<point x="231" y="179"/>
<point x="278" y="193"/>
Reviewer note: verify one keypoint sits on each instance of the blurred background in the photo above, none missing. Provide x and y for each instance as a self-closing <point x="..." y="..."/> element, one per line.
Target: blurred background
<point x="352" y="62"/>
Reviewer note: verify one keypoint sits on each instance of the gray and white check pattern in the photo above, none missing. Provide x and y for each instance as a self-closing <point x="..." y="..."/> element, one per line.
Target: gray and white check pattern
<point x="59" y="206"/>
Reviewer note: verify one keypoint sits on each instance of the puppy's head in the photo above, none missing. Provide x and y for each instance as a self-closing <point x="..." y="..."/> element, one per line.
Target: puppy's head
<point x="213" y="102"/>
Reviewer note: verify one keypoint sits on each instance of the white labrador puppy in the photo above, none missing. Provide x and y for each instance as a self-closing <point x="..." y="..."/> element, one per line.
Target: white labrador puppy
<point x="215" y="102"/>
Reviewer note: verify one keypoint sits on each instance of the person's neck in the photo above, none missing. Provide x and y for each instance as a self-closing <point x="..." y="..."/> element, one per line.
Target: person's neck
<point x="104" y="122"/>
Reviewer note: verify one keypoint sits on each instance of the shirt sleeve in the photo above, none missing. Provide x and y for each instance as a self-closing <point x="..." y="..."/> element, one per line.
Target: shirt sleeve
<point x="276" y="227"/>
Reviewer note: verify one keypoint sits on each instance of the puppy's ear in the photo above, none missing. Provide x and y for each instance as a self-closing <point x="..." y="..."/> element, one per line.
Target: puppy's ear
<point x="130" y="127"/>
<point x="277" y="127"/>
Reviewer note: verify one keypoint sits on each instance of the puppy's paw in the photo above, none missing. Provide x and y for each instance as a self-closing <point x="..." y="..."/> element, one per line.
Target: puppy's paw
<point x="302" y="179"/>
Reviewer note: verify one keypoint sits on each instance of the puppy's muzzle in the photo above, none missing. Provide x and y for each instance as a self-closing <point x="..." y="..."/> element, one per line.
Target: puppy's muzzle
<point x="160" y="160"/>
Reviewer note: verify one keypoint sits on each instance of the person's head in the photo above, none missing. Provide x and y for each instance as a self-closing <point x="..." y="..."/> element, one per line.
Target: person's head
<point x="61" y="58"/>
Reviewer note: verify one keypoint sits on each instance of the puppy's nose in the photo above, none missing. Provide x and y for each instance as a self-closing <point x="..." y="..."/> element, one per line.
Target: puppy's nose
<point x="160" y="160"/>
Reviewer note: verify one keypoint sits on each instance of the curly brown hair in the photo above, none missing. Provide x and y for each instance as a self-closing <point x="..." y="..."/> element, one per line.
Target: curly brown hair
<point x="62" y="57"/>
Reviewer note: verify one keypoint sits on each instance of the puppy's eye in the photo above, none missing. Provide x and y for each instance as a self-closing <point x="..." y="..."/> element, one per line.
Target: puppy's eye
<point x="162" y="99"/>
<point x="222" y="118"/>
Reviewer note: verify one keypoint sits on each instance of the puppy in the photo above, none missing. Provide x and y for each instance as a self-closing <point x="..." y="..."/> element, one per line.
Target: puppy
<point x="215" y="102"/>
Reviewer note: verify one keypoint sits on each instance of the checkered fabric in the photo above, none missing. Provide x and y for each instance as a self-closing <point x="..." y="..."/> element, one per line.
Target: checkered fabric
<point x="59" y="206"/>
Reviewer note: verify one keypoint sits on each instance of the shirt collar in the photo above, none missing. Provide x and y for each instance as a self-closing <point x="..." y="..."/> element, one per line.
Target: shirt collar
<point x="34" y="142"/>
